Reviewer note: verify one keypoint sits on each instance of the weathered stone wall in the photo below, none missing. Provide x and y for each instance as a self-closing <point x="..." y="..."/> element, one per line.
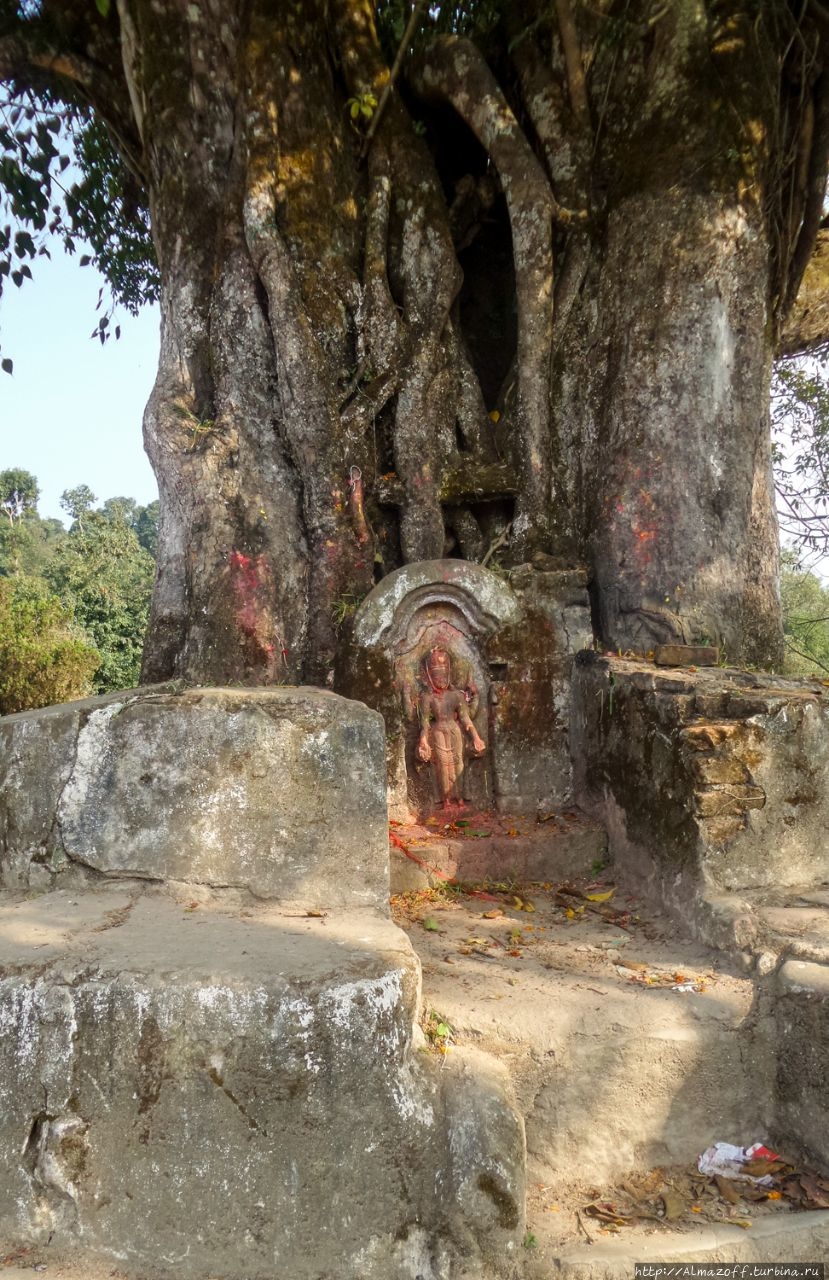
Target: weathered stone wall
<point x="714" y="787"/>
<point x="720" y="774"/>
<point x="531" y="718"/>
<point x="279" y="791"/>
<point x="802" y="1013"/>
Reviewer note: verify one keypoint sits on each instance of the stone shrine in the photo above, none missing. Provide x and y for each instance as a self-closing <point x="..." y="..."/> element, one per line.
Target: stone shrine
<point x="208" y="1011"/>
<point x="510" y="642"/>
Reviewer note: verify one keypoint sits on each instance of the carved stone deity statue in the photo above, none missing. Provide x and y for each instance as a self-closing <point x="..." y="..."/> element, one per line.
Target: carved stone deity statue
<point x="444" y="718"/>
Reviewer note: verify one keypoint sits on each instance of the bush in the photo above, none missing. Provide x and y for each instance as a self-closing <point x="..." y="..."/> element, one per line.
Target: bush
<point x="42" y="659"/>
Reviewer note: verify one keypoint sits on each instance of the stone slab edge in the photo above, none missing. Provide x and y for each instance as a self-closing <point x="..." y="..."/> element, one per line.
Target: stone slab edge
<point x="803" y="1237"/>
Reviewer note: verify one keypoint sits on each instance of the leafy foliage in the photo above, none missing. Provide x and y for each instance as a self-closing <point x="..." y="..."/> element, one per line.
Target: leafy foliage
<point x="27" y="545"/>
<point x="76" y="502"/>
<point x="61" y="175"/>
<point x="108" y="210"/>
<point x="43" y="659"/>
<point x="800" y="419"/>
<point x="18" y="493"/>
<point x="96" y="581"/>
<point x="26" y="541"/>
<point x="805" y="618"/>
<point x="106" y="575"/>
<point x="142" y="520"/>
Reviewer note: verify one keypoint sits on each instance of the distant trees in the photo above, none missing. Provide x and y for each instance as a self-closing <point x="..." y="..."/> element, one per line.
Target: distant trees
<point x="805" y="603"/>
<point x="73" y="604"/>
<point x="101" y="570"/>
<point x="43" y="656"/>
<point x="26" y="541"/>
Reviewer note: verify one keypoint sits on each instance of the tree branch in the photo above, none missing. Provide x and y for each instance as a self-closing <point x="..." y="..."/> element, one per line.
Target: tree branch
<point x="549" y="101"/>
<point x="417" y="9"/>
<point x="571" y="47"/>
<point x="814" y="192"/>
<point x="806" y="327"/>
<point x="39" y="63"/>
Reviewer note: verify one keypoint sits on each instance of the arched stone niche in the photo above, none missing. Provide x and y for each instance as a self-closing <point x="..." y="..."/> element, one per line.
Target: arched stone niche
<point x="510" y="642"/>
<point x="439" y="606"/>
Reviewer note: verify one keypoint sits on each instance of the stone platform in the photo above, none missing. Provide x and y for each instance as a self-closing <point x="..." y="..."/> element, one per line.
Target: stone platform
<point x="714" y="788"/>
<point x="277" y="791"/>
<point x="195" y="1086"/>
<point x="618" y="1073"/>
<point x="181" y="1082"/>
<point x="210" y="1060"/>
<point x="495" y="847"/>
<point x="804" y="1237"/>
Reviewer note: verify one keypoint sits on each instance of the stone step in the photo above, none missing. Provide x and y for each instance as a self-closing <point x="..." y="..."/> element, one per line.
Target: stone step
<point x="767" y="924"/>
<point x="802" y="1237"/>
<point x="495" y="847"/>
<point x="611" y="1072"/>
<point x="791" y="1238"/>
<point x="782" y="937"/>
<point x="196" y="1083"/>
<point x="795" y="1237"/>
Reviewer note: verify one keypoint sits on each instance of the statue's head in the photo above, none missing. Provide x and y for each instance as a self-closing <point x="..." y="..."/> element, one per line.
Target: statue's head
<point x="438" y="666"/>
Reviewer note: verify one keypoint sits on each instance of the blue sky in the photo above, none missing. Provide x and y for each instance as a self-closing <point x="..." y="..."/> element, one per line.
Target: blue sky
<point x="71" y="411"/>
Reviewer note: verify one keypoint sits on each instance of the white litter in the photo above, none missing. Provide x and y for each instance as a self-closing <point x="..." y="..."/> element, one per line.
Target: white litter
<point x="727" y="1161"/>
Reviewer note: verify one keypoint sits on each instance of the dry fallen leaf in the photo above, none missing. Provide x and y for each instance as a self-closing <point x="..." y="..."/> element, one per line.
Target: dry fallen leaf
<point x="674" y="1205"/>
<point x="607" y="1213"/>
<point x="727" y="1190"/>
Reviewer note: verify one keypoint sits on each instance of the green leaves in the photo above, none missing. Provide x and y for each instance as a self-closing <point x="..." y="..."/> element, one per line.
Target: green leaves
<point x="800" y="422"/>
<point x="362" y="107"/>
<point x="98" y="577"/>
<point x="43" y="659"/>
<point x="60" y="176"/>
<point x="805" y="604"/>
<point x="103" y="7"/>
<point x="103" y="571"/>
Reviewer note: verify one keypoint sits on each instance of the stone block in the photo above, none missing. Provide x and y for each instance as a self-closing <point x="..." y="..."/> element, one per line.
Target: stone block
<point x="704" y="737"/>
<point x="720" y="770"/>
<point x="36" y="754"/>
<point x="280" y="791"/>
<point x="802" y="1012"/>
<point x="559" y="850"/>
<point x="236" y="1092"/>
<point x="736" y="803"/>
<point x="487" y="1151"/>
<point x="717" y="802"/>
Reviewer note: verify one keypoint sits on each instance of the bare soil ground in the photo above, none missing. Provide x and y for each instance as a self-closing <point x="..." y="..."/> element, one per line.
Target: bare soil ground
<point x="519" y="970"/>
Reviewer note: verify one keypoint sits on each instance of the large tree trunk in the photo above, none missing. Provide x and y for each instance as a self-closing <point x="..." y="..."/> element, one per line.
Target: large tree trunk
<point x="666" y="372"/>
<point x="341" y="319"/>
